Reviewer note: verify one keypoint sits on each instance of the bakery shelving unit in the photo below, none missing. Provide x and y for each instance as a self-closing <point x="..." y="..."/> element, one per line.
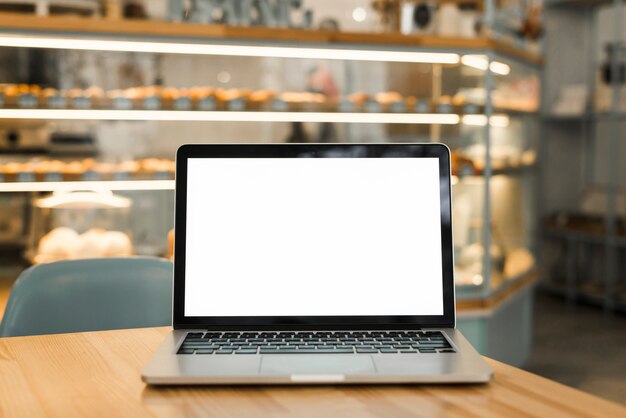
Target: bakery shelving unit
<point x="583" y="235"/>
<point x="491" y="293"/>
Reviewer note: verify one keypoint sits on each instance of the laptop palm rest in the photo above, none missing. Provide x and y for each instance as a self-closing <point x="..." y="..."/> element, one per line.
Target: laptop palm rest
<point x="316" y="364"/>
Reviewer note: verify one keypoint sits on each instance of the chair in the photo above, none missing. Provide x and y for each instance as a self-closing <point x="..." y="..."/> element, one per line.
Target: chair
<point x="90" y="295"/>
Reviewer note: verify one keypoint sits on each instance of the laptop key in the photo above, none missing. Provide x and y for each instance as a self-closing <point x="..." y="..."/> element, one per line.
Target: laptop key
<point x="245" y="351"/>
<point x="186" y="351"/>
<point x="224" y="352"/>
<point x="287" y="351"/>
<point x="366" y="350"/>
<point x="327" y="351"/>
<point x="388" y="350"/>
<point x="204" y="351"/>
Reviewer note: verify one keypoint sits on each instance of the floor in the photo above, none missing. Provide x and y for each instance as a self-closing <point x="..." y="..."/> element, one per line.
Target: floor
<point x="576" y="345"/>
<point x="580" y="346"/>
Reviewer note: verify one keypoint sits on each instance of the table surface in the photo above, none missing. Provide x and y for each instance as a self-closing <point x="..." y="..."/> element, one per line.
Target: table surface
<point x="98" y="374"/>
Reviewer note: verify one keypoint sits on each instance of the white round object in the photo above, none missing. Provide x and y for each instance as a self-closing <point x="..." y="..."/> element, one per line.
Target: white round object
<point x="117" y="244"/>
<point x="90" y="245"/>
<point x="64" y="232"/>
<point x="58" y="244"/>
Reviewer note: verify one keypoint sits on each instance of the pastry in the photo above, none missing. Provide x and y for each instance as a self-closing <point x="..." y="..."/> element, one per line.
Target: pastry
<point x="115" y="244"/>
<point x="59" y="244"/>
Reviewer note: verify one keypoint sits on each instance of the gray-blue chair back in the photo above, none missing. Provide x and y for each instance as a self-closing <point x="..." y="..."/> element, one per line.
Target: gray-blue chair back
<point x="90" y="295"/>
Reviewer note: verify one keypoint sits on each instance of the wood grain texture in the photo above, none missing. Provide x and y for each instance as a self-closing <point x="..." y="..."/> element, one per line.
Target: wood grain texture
<point x="98" y="374"/>
<point x="171" y="30"/>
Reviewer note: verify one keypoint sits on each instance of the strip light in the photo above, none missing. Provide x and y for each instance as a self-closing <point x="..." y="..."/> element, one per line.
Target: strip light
<point x="80" y="200"/>
<point x="70" y="186"/>
<point x="497" y="121"/>
<point x="480" y="62"/>
<point x="230" y="50"/>
<point x="230" y="116"/>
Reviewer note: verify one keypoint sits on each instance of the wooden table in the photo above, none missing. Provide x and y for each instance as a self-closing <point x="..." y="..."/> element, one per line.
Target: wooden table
<point x="97" y="374"/>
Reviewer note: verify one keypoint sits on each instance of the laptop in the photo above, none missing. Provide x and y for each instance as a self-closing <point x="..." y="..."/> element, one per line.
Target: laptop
<point x="314" y="264"/>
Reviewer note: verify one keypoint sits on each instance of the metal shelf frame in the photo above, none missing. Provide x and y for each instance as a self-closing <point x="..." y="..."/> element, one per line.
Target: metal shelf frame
<point x="610" y="241"/>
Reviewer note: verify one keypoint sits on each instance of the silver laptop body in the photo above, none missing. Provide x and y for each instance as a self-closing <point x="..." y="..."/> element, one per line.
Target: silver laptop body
<point x="314" y="264"/>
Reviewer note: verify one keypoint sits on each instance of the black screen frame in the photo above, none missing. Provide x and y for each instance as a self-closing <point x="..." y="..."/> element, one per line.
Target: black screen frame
<point x="405" y="150"/>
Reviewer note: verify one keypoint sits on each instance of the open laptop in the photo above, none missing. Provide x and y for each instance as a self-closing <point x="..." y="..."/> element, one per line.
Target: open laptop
<point x="311" y="264"/>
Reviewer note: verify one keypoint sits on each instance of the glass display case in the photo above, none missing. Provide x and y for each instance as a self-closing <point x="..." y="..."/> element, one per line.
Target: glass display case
<point x="73" y="225"/>
<point x="140" y="91"/>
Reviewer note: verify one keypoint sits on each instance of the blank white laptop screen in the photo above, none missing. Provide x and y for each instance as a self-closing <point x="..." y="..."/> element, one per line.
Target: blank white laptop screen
<point x="313" y="237"/>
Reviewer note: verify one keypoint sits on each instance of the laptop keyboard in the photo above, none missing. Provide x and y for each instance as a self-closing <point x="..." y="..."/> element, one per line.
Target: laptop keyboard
<point x="279" y="342"/>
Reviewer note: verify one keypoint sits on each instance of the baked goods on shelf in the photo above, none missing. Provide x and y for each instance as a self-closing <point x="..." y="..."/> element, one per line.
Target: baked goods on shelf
<point x="86" y="169"/>
<point x="80" y="224"/>
<point x="304" y="101"/>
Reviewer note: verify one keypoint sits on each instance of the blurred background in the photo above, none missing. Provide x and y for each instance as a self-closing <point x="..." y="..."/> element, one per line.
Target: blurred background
<point x="530" y="96"/>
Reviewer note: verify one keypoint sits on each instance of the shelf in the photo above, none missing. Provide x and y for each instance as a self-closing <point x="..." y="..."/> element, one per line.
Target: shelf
<point x="593" y="297"/>
<point x="585" y="117"/>
<point x="515" y="112"/>
<point x="575" y="4"/>
<point x="467" y="301"/>
<point x="498" y="120"/>
<point x="200" y="34"/>
<point x="504" y="171"/>
<point x="68" y="186"/>
<point x="230" y="116"/>
<point x="584" y="237"/>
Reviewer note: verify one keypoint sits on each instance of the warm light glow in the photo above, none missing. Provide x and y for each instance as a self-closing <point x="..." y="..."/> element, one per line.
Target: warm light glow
<point x="477" y="279"/>
<point x="480" y="62"/>
<point x="68" y="186"/>
<point x="359" y="14"/>
<point x="497" y="121"/>
<point x="230" y="116"/>
<point x="227" y="50"/>
<point x="223" y="77"/>
<point x="86" y="200"/>
<point x="500" y="68"/>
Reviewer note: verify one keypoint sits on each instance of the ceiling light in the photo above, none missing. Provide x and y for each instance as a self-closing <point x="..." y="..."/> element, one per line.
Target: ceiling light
<point x="84" y="200"/>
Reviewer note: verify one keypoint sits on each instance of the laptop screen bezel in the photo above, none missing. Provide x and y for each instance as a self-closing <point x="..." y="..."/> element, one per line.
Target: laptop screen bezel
<point x="413" y="150"/>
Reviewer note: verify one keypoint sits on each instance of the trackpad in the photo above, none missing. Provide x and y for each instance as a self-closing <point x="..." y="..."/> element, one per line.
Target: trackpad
<point x="317" y="364"/>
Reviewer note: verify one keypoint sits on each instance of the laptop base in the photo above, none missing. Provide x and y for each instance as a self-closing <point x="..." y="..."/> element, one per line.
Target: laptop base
<point x="169" y="368"/>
